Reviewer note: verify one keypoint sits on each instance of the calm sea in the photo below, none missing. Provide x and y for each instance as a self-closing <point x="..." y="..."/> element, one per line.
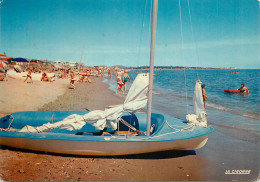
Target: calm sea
<point x="173" y="91"/>
<point x="235" y="117"/>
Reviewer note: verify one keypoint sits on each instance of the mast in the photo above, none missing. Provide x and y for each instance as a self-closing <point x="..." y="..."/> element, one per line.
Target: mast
<point x="151" y="73"/>
<point x="81" y="56"/>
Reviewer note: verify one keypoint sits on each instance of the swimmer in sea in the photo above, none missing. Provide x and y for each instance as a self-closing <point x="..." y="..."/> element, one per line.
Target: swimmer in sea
<point x="203" y="86"/>
<point x="243" y="89"/>
<point x="126" y="78"/>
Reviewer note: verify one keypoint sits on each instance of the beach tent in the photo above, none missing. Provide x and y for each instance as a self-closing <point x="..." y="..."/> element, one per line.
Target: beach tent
<point x="20" y="60"/>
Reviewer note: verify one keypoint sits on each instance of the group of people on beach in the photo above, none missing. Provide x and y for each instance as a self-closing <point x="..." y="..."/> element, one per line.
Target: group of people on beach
<point x="60" y="74"/>
<point x="122" y="79"/>
<point x="44" y="77"/>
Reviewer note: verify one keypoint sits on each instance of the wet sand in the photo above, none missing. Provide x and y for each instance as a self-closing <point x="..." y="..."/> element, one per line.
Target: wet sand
<point x="23" y="165"/>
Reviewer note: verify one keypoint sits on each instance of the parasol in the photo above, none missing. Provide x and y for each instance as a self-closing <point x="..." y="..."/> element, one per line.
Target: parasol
<point x="3" y="64"/>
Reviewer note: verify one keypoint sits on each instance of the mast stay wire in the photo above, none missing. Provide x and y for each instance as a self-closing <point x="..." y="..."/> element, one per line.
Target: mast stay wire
<point x="185" y="80"/>
<point x="193" y="40"/>
<point x="141" y="34"/>
<point x="150" y="22"/>
<point x="1" y="1"/>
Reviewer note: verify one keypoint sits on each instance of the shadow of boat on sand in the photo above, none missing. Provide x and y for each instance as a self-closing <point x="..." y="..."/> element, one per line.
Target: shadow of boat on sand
<point x="153" y="155"/>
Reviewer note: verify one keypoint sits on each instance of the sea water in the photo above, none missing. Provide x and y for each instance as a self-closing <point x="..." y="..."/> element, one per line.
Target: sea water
<point x="173" y="91"/>
<point x="235" y="117"/>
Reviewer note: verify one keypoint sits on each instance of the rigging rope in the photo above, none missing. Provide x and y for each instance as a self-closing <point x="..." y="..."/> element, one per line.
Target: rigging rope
<point x="11" y="121"/>
<point x="127" y="124"/>
<point x="177" y="130"/>
<point x="190" y="128"/>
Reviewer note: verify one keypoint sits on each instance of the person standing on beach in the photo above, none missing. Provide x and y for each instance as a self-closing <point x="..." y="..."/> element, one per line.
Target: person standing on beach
<point x="29" y="76"/>
<point x="118" y="75"/>
<point x="109" y="73"/>
<point x="119" y="81"/>
<point x="203" y="86"/>
<point x="243" y="89"/>
<point x="120" y="85"/>
<point x="72" y="79"/>
<point x="126" y="78"/>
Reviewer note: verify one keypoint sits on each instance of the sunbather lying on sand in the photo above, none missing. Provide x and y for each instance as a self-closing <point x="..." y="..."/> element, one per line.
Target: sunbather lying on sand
<point x="88" y="80"/>
<point x="81" y="80"/>
<point x="45" y="78"/>
<point x="2" y="77"/>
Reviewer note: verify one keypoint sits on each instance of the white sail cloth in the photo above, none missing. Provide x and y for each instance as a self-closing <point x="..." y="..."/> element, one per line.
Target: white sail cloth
<point x="200" y="116"/>
<point x="135" y="100"/>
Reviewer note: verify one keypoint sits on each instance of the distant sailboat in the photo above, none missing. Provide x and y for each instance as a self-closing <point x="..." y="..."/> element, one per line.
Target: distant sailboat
<point x="117" y="130"/>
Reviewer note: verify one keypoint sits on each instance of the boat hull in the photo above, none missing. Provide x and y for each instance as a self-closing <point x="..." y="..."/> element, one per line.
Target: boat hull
<point x="169" y="134"/>
<point x="98" y="148"/>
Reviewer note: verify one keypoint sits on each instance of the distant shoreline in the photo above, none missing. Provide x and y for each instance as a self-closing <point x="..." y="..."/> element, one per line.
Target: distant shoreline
<point x="187" y="68"/>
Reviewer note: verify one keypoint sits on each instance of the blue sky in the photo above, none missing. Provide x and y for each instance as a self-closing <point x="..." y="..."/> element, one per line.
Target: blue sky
<point x="219" y="33"/>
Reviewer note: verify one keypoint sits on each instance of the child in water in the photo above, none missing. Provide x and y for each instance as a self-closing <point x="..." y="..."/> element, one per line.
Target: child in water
<point x="203" y="86"/>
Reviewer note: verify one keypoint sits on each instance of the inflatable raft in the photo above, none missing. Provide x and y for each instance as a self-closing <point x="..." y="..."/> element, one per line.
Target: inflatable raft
<point x="231" y="91"/>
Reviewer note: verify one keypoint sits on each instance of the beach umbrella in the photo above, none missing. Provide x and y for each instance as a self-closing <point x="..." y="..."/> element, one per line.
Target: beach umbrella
<point x="6" y="62"/>
<point x="20" y="60"/>
<point x="3" y="64"/>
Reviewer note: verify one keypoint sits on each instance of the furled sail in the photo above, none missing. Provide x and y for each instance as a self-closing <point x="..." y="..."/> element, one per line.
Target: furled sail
<point x="136" y="99"/>
<point x="200" y="116"/>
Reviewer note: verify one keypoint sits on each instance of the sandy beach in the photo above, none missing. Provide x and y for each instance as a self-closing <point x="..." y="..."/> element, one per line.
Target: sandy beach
<point x="17" y="95"/>
<point x="20" y="165"/>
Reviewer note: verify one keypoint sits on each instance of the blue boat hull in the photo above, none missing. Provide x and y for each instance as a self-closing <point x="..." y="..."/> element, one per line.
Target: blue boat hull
<point x="169" y="134"/>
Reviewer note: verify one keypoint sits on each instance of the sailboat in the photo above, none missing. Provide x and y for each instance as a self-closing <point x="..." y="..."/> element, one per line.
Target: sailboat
<point x="117" y="130"/>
